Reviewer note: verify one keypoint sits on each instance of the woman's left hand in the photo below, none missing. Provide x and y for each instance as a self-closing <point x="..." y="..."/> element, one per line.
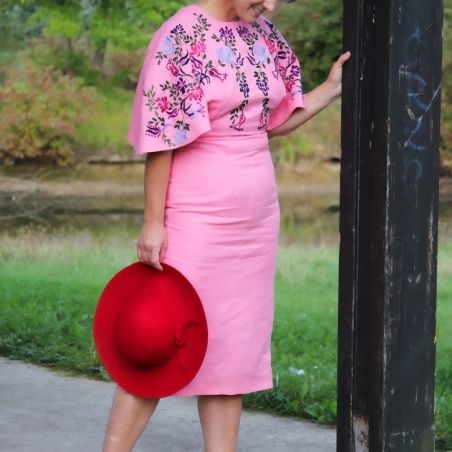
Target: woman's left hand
<point x="334" y="78"/>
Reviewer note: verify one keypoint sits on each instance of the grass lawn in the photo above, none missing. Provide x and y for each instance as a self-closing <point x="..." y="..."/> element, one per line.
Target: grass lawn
<point x="50" y="285"/>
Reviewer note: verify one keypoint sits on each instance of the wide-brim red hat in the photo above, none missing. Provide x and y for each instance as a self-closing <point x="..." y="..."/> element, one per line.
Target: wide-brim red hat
<point x="150" y="330"/>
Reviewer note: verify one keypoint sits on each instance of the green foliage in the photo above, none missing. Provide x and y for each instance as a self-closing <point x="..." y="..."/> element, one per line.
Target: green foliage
<point x="314" y="30"/>
<point x="446" y="87"/>
<point x="50" y="52"/>
<point x="107" y="134"/>
<point x="443" y="372"/>
<point x="126" y="67"/>
<point x="41" y="110"/>
<point x="124" y="24"/>
<point x="291" y="148"/>
<point x="103" y="41"/>
<point x="61" y="21"/>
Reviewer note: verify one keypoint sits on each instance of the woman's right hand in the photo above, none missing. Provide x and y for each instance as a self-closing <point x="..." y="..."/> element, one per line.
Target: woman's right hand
<point x="151" y="244"/>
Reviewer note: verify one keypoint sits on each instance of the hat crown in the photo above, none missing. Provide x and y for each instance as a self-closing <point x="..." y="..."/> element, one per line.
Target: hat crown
<point x="145" y="332"/>
<point x="150" y="330"/>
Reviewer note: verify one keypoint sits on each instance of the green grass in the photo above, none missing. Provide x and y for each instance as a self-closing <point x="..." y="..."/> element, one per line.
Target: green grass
<point x="50" y="284"/>
<point x="305" y="334"/>
<point x="443" y="396"/>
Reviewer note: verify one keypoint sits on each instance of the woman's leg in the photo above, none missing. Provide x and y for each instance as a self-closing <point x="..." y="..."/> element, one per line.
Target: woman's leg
<point x="128" y="418"/>
<point x="220" y="421"/>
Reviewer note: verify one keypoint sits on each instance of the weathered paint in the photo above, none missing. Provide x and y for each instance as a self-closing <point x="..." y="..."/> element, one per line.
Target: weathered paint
<point x="361" y="433"/>
<point x="388" y="225"/>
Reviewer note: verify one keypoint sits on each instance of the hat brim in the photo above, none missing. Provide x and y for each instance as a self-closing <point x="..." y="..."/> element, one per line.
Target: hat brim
<point x="173" y="287"/>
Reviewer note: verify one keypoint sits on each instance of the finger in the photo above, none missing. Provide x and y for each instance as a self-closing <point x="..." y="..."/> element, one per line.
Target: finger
<point x="345" y="56"/>
<point x="162" y="252"/>
<point x="145" y="257"/>
<point x="341" y="60"/>
<point x="148" y="255"/>
<point x="140" y="254"/>
<point x="155" y="258"/>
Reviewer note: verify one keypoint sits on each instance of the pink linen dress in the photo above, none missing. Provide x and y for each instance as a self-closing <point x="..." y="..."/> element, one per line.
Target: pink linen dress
<point x="211" y="90"/>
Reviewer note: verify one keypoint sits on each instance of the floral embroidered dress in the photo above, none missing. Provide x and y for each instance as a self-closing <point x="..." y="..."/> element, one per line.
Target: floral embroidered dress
<point x="211" y="90"/>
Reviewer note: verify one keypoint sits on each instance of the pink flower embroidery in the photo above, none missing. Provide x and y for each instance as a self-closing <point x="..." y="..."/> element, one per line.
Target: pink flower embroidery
<point x="271" y="45"/>
<point x="198" y="48"/>
<point x="163" y="103"/>
<point x="214" y="73"/>
<point x="196" y="94"/>
<point x="290" y="84"/>
<point x="172" y="67"/>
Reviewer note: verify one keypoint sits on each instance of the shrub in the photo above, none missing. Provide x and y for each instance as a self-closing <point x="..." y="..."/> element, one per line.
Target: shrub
<point x="446" y="92"/>
<point x="67" y="56"/>
<point x="41" y="109"/>
<point x="125" y="67"/>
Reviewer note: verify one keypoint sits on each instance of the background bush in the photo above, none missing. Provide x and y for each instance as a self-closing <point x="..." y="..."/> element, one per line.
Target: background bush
<point x="102" y="43"/>
<point x="41" y="110"/>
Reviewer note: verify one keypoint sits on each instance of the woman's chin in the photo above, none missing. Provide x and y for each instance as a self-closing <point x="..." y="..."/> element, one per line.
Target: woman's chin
<point x="251" y="16"/>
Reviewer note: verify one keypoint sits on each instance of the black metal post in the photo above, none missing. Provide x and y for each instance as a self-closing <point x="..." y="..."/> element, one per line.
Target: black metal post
<point x="388" y="225"/>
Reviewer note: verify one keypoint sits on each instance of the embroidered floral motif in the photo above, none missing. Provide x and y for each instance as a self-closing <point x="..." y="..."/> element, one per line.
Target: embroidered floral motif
<point x="285" y="59"/>
<point x="225" y="55"/>
<point x="258" y="57"/>
<point x="184" y="55"/>
<point x="235" y="60"/>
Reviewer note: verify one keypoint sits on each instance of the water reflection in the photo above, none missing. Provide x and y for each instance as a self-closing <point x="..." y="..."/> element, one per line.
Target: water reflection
<point x="97" y="197"/>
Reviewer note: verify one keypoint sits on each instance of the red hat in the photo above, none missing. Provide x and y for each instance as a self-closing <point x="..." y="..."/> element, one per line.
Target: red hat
<point x="150" y="330"/>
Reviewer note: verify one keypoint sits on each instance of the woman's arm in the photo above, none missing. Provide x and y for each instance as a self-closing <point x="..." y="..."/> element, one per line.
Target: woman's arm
<point x="151" y="244"/>
<point x="317" y="99"/>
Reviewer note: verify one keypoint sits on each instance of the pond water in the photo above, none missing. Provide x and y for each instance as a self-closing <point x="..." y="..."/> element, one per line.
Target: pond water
<point x="97" y="196"/>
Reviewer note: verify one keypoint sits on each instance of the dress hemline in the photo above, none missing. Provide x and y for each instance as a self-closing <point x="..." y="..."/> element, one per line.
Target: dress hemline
<point x="246" y="390"/>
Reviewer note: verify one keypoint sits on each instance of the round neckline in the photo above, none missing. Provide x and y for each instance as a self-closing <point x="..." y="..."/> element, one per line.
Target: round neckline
<point x="213" y="19"/>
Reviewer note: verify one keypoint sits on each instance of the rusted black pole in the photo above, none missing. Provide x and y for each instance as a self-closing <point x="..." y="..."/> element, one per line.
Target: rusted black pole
<point x="388" y="225"/>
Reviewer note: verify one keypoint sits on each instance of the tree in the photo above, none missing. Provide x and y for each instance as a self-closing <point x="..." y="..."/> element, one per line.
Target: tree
<point x="314" y="29"/>
<point x="125" y="24"/>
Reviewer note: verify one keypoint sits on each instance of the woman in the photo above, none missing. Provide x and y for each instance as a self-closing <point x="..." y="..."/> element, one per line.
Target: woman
<point x="217" y="82"/>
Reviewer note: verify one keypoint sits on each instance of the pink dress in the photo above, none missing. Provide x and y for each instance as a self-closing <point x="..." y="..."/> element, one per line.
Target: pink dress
<point x="211" y="90"/>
